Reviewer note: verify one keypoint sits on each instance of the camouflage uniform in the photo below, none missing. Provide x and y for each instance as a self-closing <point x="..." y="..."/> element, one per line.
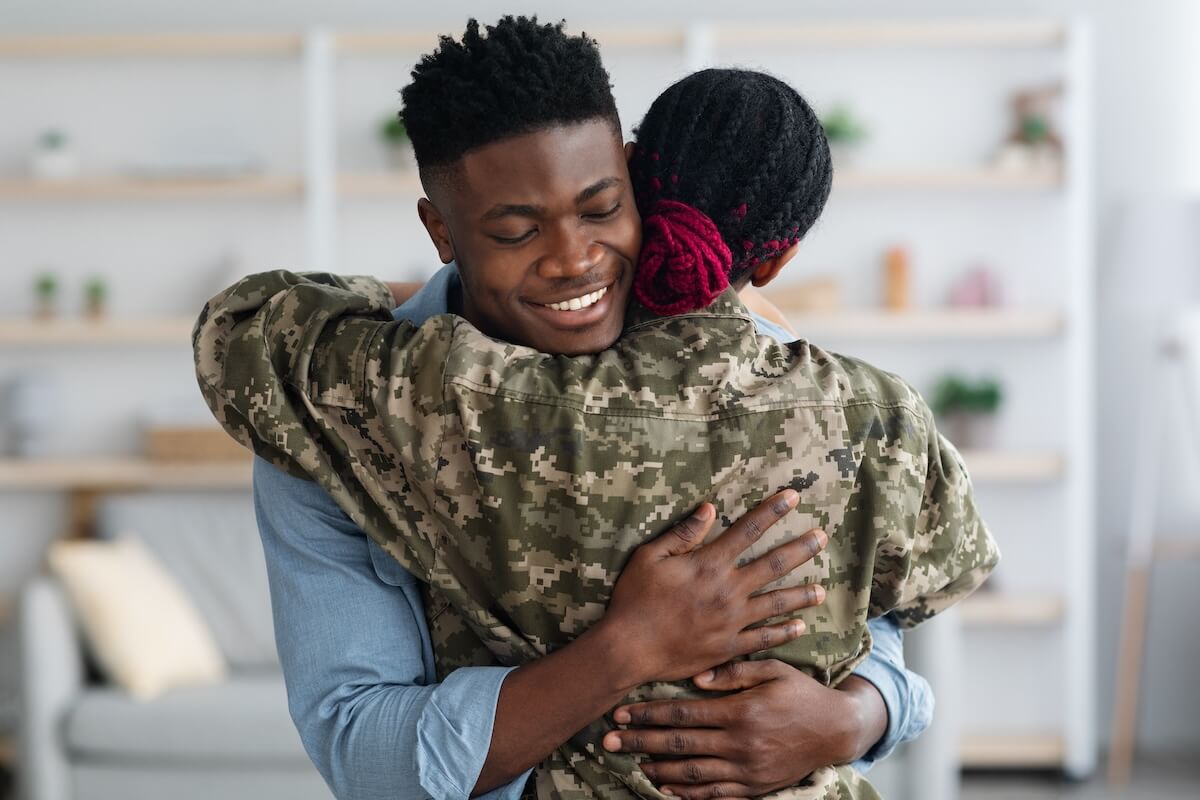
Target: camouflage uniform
<point x="517" y="483"/>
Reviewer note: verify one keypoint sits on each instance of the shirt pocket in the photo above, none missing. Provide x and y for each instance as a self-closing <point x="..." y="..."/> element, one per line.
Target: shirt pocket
<point x="388" y="569"/>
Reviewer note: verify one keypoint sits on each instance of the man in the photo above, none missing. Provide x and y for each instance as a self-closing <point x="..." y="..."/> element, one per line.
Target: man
<point x="349" y="621"/>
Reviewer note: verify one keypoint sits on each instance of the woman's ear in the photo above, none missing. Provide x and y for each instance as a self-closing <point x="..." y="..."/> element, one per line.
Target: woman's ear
<point x="629" y="151"/>
<point x="435" y="226"/>
<point x="768" y="268"/>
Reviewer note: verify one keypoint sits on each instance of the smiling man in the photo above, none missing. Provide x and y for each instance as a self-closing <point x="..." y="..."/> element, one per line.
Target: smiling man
<point x="529" y="202"/>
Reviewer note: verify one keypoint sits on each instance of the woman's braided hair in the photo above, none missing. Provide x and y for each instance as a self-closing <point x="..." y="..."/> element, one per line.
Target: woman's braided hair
<point x="520" y="77"/>
<point x="743" y="148"/>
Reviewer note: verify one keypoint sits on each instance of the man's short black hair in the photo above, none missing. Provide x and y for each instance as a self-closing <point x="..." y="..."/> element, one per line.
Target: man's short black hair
<point x="520" y="77"/>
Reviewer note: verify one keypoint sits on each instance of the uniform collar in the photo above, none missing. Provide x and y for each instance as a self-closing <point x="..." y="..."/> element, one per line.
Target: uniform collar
<point x="727" y="305"/>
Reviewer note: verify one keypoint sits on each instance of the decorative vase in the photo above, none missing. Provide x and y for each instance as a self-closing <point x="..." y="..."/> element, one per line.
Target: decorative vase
<point x="969" y="430"/>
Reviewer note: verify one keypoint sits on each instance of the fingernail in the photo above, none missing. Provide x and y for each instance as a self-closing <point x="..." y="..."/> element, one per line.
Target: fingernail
<point x="823" y="537"/>
<point x="667" y="791"/>
<point x="704" y="512"/>
<point x="705" y="677"/>
<point x="612" y="742"/>
<point x="786" y="501"/>
<point x="621" y="716"/>
<point x="819" y="593"/>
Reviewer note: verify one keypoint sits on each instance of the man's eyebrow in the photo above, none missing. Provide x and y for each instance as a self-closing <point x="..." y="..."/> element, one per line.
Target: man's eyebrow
<point x="595" y="189"/>
<point x="508" y="210"/>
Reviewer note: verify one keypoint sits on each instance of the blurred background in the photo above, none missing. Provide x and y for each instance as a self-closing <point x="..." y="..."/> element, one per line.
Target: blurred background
<point x="1013" y="228"/>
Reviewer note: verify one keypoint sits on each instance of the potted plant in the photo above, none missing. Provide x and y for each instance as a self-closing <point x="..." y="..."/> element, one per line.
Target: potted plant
<point x="53" y="158"/>
<point x="95" y="292"/>
<point x="395" y="138"/>
<point x="966" y="410"/>
<point x="844" y="133"/>
<point x="45" y="290"/>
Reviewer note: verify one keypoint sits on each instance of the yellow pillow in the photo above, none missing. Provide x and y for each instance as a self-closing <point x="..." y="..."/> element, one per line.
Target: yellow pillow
<point x="143" y="629"/>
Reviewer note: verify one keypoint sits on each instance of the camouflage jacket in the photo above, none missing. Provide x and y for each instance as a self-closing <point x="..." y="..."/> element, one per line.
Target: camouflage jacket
<point x="517" y="483"/>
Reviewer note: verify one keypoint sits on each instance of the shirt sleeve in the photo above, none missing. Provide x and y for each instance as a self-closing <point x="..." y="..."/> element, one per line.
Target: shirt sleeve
<point x="907" y="696"/>
<point x="361" y="693"/>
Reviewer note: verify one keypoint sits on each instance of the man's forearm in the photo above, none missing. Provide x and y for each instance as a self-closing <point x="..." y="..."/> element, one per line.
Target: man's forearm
<point x="868" y="721"/>
<point x="545" y="702"/>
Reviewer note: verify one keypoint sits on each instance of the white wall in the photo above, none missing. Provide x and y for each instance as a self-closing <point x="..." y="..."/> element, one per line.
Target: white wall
<point x="1148" y="121"/>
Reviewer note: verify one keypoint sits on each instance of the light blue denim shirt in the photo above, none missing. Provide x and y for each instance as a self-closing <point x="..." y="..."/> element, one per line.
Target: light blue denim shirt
<point x="357" y="660"/>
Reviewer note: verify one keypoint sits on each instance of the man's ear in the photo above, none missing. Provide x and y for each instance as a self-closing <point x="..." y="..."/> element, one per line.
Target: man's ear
<point x="629" y="151"/>
<point x="768" y="268"/>
<point x="435" y="226"/>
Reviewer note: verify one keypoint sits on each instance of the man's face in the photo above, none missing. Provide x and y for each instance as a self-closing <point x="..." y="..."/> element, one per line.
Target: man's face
<point x="546" y="235"/>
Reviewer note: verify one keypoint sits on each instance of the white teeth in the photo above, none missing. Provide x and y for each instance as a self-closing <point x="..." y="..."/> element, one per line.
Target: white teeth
<point x="577" y="303"/>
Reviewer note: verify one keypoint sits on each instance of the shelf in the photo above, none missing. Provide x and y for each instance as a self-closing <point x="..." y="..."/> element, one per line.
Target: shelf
<point x="123" y="188"/>
<point x="78" y="331"/>
<point x="380" y="184"/>
<point x="860" y="33"/>
<point x="974" y="33"/>
<point x="1039" y="750"/>
<point x="108" y="474"/>
<point x="909" y="325"/>
<point x="995" y="466"/>
<point x="161" y="44"/>
<point x="413" y="42"/>
<point x="397" y="183"/>
<point x="997" y="608"/>
<point x="947" y="178"/>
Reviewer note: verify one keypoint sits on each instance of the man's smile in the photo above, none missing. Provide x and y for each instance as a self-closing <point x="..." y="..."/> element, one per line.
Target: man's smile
<point x="578" y="311"/>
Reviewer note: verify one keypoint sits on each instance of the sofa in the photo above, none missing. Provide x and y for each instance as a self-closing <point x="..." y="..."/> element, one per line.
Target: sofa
<point x="83" y="739"/>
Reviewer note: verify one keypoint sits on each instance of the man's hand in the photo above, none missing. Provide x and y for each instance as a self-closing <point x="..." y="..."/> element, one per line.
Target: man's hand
<point x="677" y="608"/>
<point x="777" y="729"/>
<point x="682" y="608"/>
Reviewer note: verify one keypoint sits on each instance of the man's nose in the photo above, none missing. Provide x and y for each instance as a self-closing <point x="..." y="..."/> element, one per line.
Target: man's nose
<point x="572" y="253"/>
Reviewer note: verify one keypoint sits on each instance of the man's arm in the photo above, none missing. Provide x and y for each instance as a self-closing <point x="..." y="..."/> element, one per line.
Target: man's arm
<point x="355" y="653"/>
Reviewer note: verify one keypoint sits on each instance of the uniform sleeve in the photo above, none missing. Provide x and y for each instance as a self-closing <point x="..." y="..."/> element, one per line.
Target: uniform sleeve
<point x="290" y="364"/>
<point x="253" y="342"/>
<point x="932" y="555"/>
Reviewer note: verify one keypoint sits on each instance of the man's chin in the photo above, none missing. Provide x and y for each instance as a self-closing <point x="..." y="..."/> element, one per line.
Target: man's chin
<point x="577" y="343"/>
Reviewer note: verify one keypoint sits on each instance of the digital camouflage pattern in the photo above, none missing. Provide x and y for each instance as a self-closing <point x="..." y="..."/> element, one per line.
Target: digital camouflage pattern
<point x="518" y="483"/>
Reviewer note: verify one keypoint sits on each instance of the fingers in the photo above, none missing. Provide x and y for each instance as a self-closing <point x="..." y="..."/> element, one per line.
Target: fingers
<point x="752" y="525"/>
<point x="684" y="742"/>
<point x="708" y="713"/>
<point x="783" y="601"/>
<point x="687" y="535"/>
<point x="783" y="559"/>
<point x="753" y="640"/>
<point x="734" y="675"/>
<point x="689" y="772"/>
<point x="729" y="790"/>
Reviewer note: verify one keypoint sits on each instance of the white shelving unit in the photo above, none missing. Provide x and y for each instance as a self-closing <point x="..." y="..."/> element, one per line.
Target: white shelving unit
<point x="1063" y="328"/>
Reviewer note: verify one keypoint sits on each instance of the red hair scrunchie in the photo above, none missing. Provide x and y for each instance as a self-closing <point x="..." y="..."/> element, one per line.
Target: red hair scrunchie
<point x="684" y="262"/>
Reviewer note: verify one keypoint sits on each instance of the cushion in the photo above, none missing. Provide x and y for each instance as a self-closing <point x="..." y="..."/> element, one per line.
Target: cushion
<point x="209" y="542"/>
<point x="243" y="720"/>
<point x="139" y="625"/>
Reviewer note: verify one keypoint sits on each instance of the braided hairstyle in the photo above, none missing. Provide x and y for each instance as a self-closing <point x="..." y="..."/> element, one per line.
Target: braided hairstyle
<point x="521" y="77"/>
<point x="732" y="161"/>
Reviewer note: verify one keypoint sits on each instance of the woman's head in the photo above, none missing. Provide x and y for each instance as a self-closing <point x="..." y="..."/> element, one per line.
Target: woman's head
<point x="745" y="151"/>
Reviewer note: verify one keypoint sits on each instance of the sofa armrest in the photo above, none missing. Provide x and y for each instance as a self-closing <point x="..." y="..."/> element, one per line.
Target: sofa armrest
<point x="51" y="679"/>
